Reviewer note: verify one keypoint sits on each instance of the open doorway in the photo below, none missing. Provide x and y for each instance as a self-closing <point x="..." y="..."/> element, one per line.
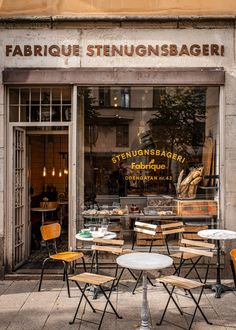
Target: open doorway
<point x="47" y="158"/>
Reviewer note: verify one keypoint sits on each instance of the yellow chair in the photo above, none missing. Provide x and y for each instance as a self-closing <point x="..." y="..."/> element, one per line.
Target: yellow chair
<point x="233" y="264"/>
<point x="49" y="234"/>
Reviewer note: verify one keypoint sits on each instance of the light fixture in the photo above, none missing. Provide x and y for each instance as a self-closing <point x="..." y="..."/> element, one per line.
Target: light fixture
<point x="53" y="167"/>
<point x="60" y="171"/>
<point x="66" y="159"/>
<point x="44" y="166"/>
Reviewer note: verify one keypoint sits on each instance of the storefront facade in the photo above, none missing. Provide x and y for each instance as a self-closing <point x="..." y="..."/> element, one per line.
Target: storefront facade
<point x="111" y="96"/>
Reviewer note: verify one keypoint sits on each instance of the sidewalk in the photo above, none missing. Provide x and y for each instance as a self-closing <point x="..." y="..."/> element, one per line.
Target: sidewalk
<point x="22" y="307"/>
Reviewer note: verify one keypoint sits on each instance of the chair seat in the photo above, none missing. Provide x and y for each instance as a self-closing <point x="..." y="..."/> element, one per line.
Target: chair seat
<point x="185" y="255"/>
<point x="67" y="256"/>
<point x="93" y="279"/>
<point x="180" y="282"/>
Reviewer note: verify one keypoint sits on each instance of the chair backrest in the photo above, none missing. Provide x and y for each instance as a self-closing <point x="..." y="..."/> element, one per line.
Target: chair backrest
<point x="51" y="231"/>
<point x="172" y="228"/>
<point x="200" y="249"/>
<point x="204" y="247"/>
<point x="102" y="241"/>
<point x="145" y="229"/>
<point x="49" y="205"/>
<point x="108" y="245"/>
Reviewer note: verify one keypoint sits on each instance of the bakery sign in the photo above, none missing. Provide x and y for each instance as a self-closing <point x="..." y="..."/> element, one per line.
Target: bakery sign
<point x="114" y="50"/>
<point x="137" y="167"/>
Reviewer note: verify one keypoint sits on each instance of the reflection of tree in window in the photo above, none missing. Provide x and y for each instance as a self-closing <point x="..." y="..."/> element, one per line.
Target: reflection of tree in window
<point x="178" y="123"/>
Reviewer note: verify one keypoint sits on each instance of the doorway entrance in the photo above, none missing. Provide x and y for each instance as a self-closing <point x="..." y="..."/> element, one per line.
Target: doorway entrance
<point x="40" y="192"/>
<point x="48" y="188"/>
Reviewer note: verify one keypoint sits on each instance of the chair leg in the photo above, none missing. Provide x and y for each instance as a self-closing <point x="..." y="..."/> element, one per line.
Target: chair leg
<point x="65" y="265"/>
<point x="167" y="304"/>
<point x="178" y="268"/>
<point x="137" y="281"/>
<point x="84" y="295"/>
<point x="197" y="308"/>
<point x="132" y="274"/>
<point x="81" y="298"/>
<point x="42" y="272"/>
<point x="92" y="262"/>
<point x="108" y="302"/>
<point x="84" y="265"/>
<point x="194" y="267"/>
<point x="149" y="280"/>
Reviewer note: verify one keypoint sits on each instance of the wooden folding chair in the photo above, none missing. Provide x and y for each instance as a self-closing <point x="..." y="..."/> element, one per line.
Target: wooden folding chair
<point x="49" y="234"/>
<point x="177" y="228"/>
<point x="186" y="284"/>
<point x="113" y="246"/>
<point x="149" y="230"/>
<point x="99" y="281"/>
<point x="233" y="264"/>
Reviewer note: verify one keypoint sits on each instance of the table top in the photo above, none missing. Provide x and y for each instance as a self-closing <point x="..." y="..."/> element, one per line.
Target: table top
<point x="43" y="209"/>
<point x="217" y="234"/>
<point x="144" y="261"/>
<point x="108" y="235"/>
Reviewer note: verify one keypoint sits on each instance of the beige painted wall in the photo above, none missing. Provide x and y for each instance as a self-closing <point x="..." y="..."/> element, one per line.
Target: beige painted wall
<point x="116" y="7"/>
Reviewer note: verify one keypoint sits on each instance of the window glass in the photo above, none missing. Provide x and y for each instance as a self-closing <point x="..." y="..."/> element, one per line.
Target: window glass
<point x="150" y="141"/>
<point x="42" y="104"/>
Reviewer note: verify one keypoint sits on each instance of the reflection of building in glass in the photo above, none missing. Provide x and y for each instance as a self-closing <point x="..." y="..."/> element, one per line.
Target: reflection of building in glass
<point x="174" y="120"/>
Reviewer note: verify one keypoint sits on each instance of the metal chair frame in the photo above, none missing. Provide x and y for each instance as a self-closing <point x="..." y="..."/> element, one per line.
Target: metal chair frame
<point x="50" y="233"/>
<point x="83" y="295"/>
<point x="178" y="228"/>
<point x="187" y="288"/>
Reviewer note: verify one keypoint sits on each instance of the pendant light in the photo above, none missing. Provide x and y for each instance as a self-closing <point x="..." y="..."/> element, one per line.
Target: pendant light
<point x="66" y="159"/>
<point x="44" y="166"/>
<point x="53" y="167"/>
<point x="60" y="171"/>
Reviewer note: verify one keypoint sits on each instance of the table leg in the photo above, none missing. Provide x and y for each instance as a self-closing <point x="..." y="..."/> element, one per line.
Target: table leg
<point x="42" y="218"/>
<point x="144" y="308"/>
<point x="218" y="287"/>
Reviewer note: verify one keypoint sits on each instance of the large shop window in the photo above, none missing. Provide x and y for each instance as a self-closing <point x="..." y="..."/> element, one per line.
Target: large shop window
<point x="158" y="143"/>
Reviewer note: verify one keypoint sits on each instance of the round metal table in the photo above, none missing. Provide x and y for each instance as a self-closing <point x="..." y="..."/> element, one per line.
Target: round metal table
<point x="218" y="235"/>
<point x="144" y="262"/>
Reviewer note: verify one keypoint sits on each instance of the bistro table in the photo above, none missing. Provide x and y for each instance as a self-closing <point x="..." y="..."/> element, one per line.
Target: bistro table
<point x="107" y="235"/>
<point x="43" y="210"/>
<point x="218" y="235"/>
<point x="144" y="262"/>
